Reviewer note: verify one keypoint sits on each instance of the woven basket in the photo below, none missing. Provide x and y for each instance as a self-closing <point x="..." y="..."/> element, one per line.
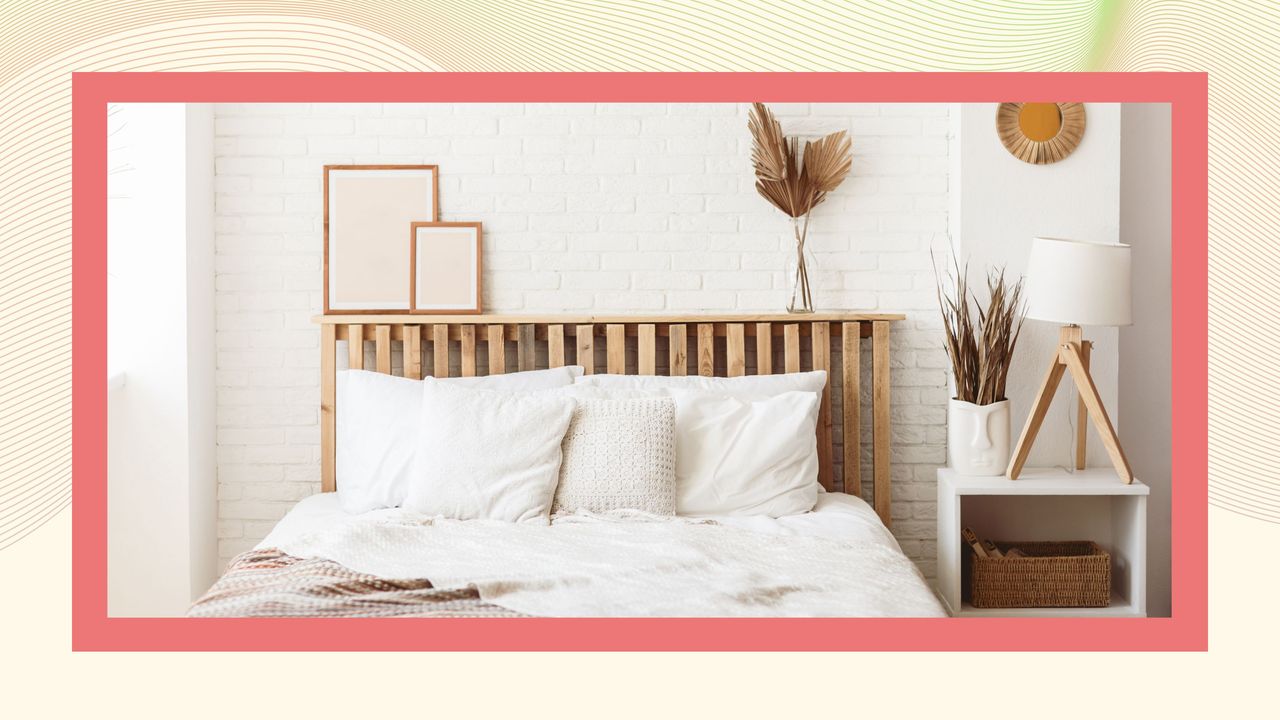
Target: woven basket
<point x="1053" y="574"/>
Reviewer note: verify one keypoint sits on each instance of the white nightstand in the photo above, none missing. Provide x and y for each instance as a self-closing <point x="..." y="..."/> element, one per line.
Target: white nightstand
<point x="1047" y="504"/>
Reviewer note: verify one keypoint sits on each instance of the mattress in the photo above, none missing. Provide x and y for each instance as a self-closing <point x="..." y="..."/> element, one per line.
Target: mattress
<point x="838" y="560"/>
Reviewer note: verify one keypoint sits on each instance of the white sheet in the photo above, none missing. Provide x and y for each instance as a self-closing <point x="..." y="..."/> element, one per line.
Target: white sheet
<point x="838" y="560"/>
<point x="836" y="516"/>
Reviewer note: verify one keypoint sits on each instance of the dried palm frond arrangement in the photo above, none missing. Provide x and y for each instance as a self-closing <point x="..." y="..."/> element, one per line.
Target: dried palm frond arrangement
<point x="980" y="342"/>
<point x="795" y="182"/>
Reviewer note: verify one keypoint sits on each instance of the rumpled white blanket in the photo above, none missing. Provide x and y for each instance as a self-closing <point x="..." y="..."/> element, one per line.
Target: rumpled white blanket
<point x="595" y="566"/>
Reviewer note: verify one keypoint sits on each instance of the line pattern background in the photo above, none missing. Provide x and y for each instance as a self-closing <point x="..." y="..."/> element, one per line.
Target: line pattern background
<point x="40" y="48"/>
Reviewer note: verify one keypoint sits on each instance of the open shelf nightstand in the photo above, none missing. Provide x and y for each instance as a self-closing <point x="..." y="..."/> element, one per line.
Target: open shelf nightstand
<point x="1047" y="504"/>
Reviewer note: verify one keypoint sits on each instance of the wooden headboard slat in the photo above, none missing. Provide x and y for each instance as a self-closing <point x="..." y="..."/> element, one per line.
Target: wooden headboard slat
<point x="586" y="349"/>
<point x="820" y="351"/>
<point x="382" y="348"/>
<point x="616" y="349"/>
<point x="526" y="348"/>
<point x="851" y="404"/>
<point x="497" y="350"/>
<point x="427" y="346"/>
<point x="412" y="335"/>
<point x="328" y="397"/>
<point x="355" y="347"/>
<point x="880" y="416"/>
<point x="735" y="350"/>
<point x="706" y="349"/>
<point x="647" y="349"/>
<point x="679" y="350"/>
<point x="440" y="350"/>
<point x="791" y="348"/>
<point x="555" y="346"/>
<point x="468" y="351"/>
<point x="764" y="349"/>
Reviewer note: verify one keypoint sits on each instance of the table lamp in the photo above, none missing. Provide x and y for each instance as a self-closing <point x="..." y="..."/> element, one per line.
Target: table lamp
<point x="1075" y="283"/>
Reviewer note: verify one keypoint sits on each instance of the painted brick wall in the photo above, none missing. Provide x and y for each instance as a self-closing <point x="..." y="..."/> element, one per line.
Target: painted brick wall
<point x="611" y="207"/>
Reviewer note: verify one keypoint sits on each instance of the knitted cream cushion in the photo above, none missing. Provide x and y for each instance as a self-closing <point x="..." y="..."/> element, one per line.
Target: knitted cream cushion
<point x="619" y="454"/>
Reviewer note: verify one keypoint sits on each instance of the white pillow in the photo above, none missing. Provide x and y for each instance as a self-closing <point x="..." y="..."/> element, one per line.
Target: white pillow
<point x="698" y="476"/>
<point x="619" y="454"/>
<point x="740" y="456"/>
<point x="753" y="386"/>
<point x="485" y="455"/>
<point x="377" y="429"/>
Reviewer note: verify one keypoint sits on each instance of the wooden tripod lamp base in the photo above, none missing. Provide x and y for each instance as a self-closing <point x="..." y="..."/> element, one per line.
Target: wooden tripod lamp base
<point x="1072" y="357"/>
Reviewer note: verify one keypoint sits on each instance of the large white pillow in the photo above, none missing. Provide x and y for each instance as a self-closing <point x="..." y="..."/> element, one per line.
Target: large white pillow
<point x="619" y="454"/>
<point x="739" y="456"/>
<point x="746" y="386"/>
<point x="777" y="478"/>
<point x="377" y="428"/>
<point x="485" y="455"/>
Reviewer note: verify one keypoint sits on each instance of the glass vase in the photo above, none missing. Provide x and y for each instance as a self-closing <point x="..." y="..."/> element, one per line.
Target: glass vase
<point x="801" y="270"/>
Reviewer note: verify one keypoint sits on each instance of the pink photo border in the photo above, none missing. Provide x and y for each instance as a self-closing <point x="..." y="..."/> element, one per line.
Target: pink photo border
<point x="1187" y="629"/>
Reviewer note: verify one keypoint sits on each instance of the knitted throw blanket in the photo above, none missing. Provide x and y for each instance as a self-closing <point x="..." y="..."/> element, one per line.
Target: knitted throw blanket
<point x="268" y="583"/>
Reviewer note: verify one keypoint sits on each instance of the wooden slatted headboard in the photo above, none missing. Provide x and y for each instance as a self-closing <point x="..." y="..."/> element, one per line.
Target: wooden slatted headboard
<point x="728" y="345"/>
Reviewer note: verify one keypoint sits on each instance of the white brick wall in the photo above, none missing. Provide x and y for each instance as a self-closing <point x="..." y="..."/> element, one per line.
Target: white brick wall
<point x="617" y="207"/>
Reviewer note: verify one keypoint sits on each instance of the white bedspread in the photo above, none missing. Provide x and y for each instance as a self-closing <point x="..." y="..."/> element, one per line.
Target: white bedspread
<point x="836" y="561"/>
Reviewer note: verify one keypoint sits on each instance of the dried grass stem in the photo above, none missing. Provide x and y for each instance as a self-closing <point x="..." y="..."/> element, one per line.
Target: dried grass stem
<point x="980" y="342"/>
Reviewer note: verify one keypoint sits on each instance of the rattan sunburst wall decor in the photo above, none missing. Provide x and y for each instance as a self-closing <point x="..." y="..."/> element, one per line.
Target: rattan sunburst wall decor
<point x="1040" y="133"/>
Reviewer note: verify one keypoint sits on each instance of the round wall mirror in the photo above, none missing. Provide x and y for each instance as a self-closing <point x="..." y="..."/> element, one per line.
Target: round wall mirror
<point x="1040" y="133"/>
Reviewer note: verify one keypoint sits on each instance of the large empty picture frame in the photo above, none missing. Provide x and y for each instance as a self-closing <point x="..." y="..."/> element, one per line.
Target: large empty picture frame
<point x="366" y="211"/>
<point x="445" y="267"/>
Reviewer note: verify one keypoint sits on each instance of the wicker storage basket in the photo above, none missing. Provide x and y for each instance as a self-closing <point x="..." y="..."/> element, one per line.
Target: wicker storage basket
<point x="1053" y="574"/>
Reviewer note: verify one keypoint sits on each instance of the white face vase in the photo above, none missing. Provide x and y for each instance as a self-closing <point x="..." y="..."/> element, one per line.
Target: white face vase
<point x="978" y="437"/>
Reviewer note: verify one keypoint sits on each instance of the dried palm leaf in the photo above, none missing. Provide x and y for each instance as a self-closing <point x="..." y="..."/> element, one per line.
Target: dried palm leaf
<point x="827" y="161"/>
<point x="768" y="151"/>
<point x="792" y="180"/>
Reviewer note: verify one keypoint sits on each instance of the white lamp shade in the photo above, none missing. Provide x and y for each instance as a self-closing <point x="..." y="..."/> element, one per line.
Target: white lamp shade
<point x="1078" y="283"/>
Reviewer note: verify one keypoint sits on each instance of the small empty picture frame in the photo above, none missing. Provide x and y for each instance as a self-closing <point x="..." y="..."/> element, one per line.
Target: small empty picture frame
<point x="445" y="258"/>
<point x="366" y="209"/>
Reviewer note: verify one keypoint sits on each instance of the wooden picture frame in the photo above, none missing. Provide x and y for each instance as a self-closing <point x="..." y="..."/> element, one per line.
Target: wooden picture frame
<point x="446" y="266"/>
<point x="366" y="208"/>
<point x="1044" y="137"/>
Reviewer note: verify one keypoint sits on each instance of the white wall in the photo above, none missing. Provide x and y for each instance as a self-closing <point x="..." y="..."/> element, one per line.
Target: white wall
<point x="160" y="454"/>
<point x="202" y="461"/>
<point x="1001" y="204"/>
<point x="611" y="207"/>
<point x="1146" y="346"/>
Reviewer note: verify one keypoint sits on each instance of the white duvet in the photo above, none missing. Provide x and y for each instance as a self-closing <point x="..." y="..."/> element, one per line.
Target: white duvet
<point x="838" y="560"/>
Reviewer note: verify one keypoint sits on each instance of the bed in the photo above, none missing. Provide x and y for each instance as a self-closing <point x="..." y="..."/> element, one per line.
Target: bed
<point x="838" y="559"/>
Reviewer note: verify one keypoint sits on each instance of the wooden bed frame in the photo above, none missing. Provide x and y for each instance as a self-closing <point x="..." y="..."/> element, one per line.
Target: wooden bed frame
<point x="445" y="345"/>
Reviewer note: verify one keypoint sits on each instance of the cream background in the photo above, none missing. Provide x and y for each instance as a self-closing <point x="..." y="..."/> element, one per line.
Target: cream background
<point x="1236" y="43"/>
